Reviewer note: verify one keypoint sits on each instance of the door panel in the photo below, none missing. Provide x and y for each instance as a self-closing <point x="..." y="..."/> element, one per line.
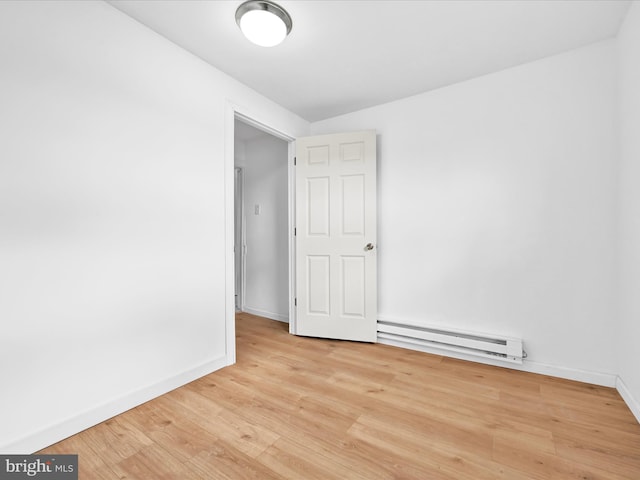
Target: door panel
<point x="319" y="207"/>
<point x="318" y="271"/>
<point x="336" y="283"/>
<point x="353" y="286"/>
<point x="352" y="213"/>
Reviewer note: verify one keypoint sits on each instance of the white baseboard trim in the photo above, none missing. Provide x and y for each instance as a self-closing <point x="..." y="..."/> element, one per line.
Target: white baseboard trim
<point x="95" y="415"/>
<point x="596" y="378"/>
<point x="263" y="313"/>
<point x="585" y="376"/>
<point x="632" y="403"/>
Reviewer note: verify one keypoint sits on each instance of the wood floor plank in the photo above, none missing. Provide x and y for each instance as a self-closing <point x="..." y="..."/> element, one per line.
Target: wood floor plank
<point x="305" y="408"/>
<point x="90" y="464"/>
<point x="291" y="460"/>
<point x="450" y="461"/>
<point x="151" y="463"/>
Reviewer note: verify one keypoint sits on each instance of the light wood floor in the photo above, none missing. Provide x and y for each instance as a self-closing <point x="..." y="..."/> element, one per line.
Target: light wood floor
<point x="301" y="408"/>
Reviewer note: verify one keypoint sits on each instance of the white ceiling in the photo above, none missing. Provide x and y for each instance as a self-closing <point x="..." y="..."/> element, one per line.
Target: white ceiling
<point x="342" y="56"/>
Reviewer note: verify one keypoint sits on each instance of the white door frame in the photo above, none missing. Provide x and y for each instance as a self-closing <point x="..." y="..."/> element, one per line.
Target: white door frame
<point x="233" y="112"/>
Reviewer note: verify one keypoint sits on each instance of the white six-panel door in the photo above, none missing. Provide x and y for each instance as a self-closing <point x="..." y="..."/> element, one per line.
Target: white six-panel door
<point x="336" y="267"/>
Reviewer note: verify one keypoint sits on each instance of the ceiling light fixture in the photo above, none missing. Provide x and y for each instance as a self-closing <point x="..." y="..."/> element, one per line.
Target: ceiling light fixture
<point x="263" y="22"/>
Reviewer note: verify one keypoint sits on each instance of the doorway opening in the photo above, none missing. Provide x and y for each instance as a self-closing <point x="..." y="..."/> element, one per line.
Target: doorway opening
<point x="238" y="115"/>
<point x="350" y="158"/>
<point x="261" y="222"/>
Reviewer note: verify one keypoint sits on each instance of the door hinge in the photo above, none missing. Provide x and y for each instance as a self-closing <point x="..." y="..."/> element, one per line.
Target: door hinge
<point x="295" y="159"/>
<point x="295" y="302"/>
<point x="295" y="231"/>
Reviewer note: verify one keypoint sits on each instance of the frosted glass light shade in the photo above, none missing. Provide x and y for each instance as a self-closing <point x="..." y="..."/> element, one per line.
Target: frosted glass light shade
<point x="263" y="22"/>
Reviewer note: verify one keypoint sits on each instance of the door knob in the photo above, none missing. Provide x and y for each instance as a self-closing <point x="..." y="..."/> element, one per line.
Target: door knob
<point x="368" y="246"/>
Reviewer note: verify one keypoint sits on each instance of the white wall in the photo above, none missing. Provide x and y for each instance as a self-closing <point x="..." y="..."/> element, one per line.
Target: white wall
<point x="629" y="204"/>
<point x="112" y="191"/>
<point x="497" y="211"/>
<point x="267" y="259"/>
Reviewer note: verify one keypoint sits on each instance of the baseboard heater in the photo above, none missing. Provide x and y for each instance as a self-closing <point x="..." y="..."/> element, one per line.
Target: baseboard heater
<point x="507" y="349"/>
